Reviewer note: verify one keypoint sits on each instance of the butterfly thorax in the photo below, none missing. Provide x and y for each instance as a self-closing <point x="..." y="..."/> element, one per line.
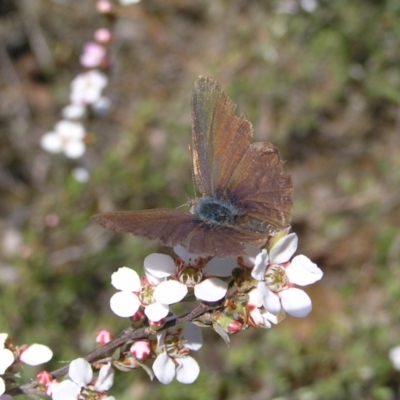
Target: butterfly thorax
<point x="216" y="211"/>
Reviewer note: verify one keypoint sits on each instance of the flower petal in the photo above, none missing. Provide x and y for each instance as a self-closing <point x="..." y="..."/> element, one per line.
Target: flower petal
<point x="51" y="142"/>
<point x="66" y="390"/>
<point x="6" y="359"/>
<point x="170" y="292"/>
<point x="302" y="271"/>
<point x="249" y="258"/>
<point x="284" y="249"/>
<point x="105" y="379"/>
<point x="254" y="299"/>
<point x="2" y="386"/>
<point x="36" y="354"/>
<point x="211" y="289"/>
<point x="80" y="372"/>
<point x="126" y="279"/>
<point x="3" y="338"/>
<point x="74" y="149"/>
<point x="187" y="370"/>
<point x="124" y="304"/>
<point x="164" y="368"/>
<point x="222" y="267"/>
<point x="193" y="336"/>
<point x="159" y="265"/>
<point x="270" y="300"/>
<point x="185" y="256"/>
<point x="394" y="355"/>
<point x="260" y="265"/>
<point x="156" y="311"/>
<point x="296" y="302"/>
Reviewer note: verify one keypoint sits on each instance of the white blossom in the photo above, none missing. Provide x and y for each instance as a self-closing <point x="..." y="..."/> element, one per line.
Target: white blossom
<point x="81" y="376"/>
<point x="87" y="87"/>
<point x="67" y="137"/>
<point x="174" y="359"/>
<point x="277" y="276"/>
<point x="189" y="272"/>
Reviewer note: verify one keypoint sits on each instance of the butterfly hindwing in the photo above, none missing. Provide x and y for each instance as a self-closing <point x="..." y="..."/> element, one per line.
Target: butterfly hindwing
<point x="260" y="187"/>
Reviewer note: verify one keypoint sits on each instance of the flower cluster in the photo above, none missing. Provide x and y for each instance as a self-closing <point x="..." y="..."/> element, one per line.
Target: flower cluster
<point x="255" y="290"/>
<point x="86" y="93"/>
<point x="11" y="355"/>
<point x="86" y="96"/>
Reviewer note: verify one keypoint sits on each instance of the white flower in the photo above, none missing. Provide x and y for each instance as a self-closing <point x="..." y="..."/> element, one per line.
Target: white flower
<point x="277" y="276"/>
<point x="86" y="88"/>
<point x="36" y="354"/>
<point x="174" y="360"/>
<point x="191" y="272"/>
<point x="67" y="137"/>
<point x="81" y="376"/>
<point x="135" y="293"/>
<point x="394" y="355"/>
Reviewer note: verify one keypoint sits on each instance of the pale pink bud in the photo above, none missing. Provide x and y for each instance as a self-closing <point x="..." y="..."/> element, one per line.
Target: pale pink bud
<point x="104" y="7"/>
<point x="140" y="349"/>
<point x="103" y="336"/>
<point x="51" y="220"/>
<point x="103" y="36"/>
<point x="93" y="55"/>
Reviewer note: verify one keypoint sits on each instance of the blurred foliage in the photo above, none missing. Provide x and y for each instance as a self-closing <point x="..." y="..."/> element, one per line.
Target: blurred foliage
<point x="323" y="86"/>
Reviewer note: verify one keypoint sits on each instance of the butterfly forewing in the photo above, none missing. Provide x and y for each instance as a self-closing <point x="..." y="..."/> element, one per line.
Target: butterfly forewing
<point x="170" y="226"/>
<point x="220" y="138"/>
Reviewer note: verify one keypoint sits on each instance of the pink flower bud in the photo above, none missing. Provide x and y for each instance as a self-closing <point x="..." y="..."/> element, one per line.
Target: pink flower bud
<point x="140" y="349"/>
<point x="103" y="36"/>
<point x="104" y="7"/>
<point x="234" y="326"/>
<point x="103" y="336"/>
<point x="44" y="377"/>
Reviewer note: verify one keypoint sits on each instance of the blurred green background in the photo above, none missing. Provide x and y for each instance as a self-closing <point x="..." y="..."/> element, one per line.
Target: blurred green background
<point x="319" y="79"/>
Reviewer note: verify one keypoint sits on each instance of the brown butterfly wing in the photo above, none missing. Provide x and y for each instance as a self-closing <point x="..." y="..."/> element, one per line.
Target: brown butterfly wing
<point x="260" y="187"/>
<point x="221" y="241"/>
<point x="220" y="138"/>
<point x="170" y="226"/>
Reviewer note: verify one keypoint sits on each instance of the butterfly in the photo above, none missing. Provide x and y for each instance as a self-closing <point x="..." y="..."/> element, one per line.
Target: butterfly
<point x="246" y="196"/>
